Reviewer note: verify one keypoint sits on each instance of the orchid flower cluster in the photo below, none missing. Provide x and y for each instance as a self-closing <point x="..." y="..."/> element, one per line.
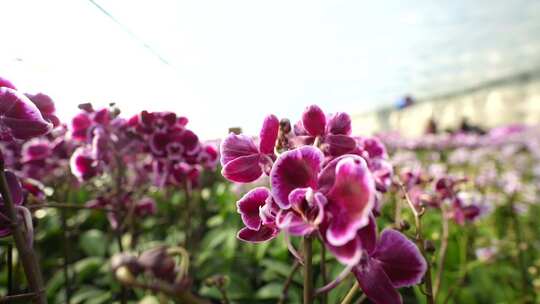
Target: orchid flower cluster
<point x="328" y="184"/>
<point x="149" y="148"/>
<point x="22" y="117"/>
<point x="477" y="179"/>
<point x="177" y="155"/>
<point x="443" y="191"/>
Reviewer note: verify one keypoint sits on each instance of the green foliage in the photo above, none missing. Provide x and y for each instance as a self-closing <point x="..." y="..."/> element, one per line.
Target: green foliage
<point x="256" y="273"/>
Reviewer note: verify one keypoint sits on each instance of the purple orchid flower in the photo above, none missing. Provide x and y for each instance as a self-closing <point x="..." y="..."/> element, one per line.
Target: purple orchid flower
<point x="257" y="210"/>
<point x="19" y="117"/>
<point x="79" y="126"/>
<point x="83" y="165"/>
<point x="466" y="209"/>
<point x="346" y="184"/>
<point x="389" y="263"/>
<point x="374" y="152"/>
<point x="36" y="151"/>
<point x="145" y="206"/>
<point x="242" y="161"/>
<point x="333" y="132"/>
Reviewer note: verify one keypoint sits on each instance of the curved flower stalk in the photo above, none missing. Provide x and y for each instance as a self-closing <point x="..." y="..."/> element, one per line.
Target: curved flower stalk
<point x="323" y="183"/>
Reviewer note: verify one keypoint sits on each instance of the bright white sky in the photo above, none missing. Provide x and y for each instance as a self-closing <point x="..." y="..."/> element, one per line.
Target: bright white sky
<point x="233" y="62"/>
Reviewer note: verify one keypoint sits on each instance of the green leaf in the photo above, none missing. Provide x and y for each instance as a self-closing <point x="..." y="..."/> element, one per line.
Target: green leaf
<point x="88" y="268"/>
<point x="91" y="295"/>
<point x="269" y="291"/>
<point x="93" y="243"/>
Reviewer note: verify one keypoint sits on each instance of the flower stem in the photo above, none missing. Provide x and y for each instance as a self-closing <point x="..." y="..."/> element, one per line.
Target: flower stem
<point x="69" y="206"/>
<point x="65" y="265"/>
<point x="419" y="239"/>
<point x="522" y="257"/>
<point x="26" y="252"/>
<point x="288" y="281"/>
<point x="10" y="269"/>
<point x="350" y="294"/>
<point x="187" y="215"/>
<point x="362" y="298"/>
<point x="308" y="270"/>
<point x="442" y="252"/>
<point x="324" y="296"/>
<point x="118" y="181"/>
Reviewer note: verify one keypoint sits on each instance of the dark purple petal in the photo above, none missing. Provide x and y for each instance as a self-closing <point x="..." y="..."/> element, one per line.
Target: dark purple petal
<point x="349" y="254"/>
<point x="382" y="172"/>
<point x="339" y="123"/>
<point x="400" y="258"/>
<point x="102" y="116"/>
<point x="269" y="134"/>
<point x="314" y="120"/>
<point x="14" y="187"/>
<point x="158" y="143"/>
<point x="264" y="234"/>
<point x="79" y="126"/>
<point x="20" y="115"/>
<point x="293" y="169"/>
<point x="146" y="206"/>
<point x="235" y="146"/>
<point x="243" y="169"/>
<point x="374" y="147"/>
<point x="368" y="235"/>
<point x="189" y="140"/>
<point x="337" y="145"/>
<point x="350" y="200"/>
<point x="248" y="207"/>
<point x="43" y="102"/>
<point x="376" y="284"/>
<point x="46" y="106"/>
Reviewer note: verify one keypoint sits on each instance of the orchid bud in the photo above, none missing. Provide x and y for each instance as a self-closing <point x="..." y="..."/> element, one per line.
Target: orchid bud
<point x="429" y="246"/>
<point x="404" y="225"/>
<point x="159" y="263"/>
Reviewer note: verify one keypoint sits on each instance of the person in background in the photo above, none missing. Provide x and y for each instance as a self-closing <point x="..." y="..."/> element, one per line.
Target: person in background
<point x="405" y="102"/>
<point x="467" y="127"/>
<point x="431" y="127"/>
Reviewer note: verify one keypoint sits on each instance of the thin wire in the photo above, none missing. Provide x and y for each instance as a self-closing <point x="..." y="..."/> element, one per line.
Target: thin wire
<point x="131" y="33"/>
